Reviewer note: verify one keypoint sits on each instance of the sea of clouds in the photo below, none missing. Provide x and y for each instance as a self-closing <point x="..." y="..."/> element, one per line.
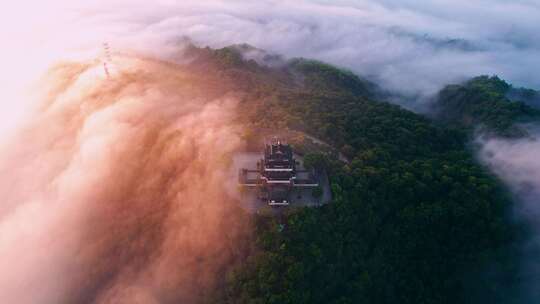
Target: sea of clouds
<point x="412" y="47"/>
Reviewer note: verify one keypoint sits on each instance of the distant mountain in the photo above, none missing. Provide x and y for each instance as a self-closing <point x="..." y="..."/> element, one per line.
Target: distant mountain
<point x="435" y="42"/>
<point x="528" y="96"/>
<point x="488" y="103"/>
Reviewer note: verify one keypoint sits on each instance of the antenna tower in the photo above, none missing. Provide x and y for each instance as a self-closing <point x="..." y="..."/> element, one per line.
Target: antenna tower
<point x="108" y="59"/>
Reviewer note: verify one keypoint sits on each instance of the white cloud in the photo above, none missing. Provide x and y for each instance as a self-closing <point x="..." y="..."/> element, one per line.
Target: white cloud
<point x="406" y="45"/>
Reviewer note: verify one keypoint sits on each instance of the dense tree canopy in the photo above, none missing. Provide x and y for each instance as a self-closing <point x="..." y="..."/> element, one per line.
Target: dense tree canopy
<point x="413" y="217"/>
<point x="485" y="101"/>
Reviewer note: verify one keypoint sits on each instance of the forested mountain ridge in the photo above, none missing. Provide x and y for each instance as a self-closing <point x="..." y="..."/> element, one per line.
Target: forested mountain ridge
<point x="489" y="103"/>
<point x="414" y="218"/>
